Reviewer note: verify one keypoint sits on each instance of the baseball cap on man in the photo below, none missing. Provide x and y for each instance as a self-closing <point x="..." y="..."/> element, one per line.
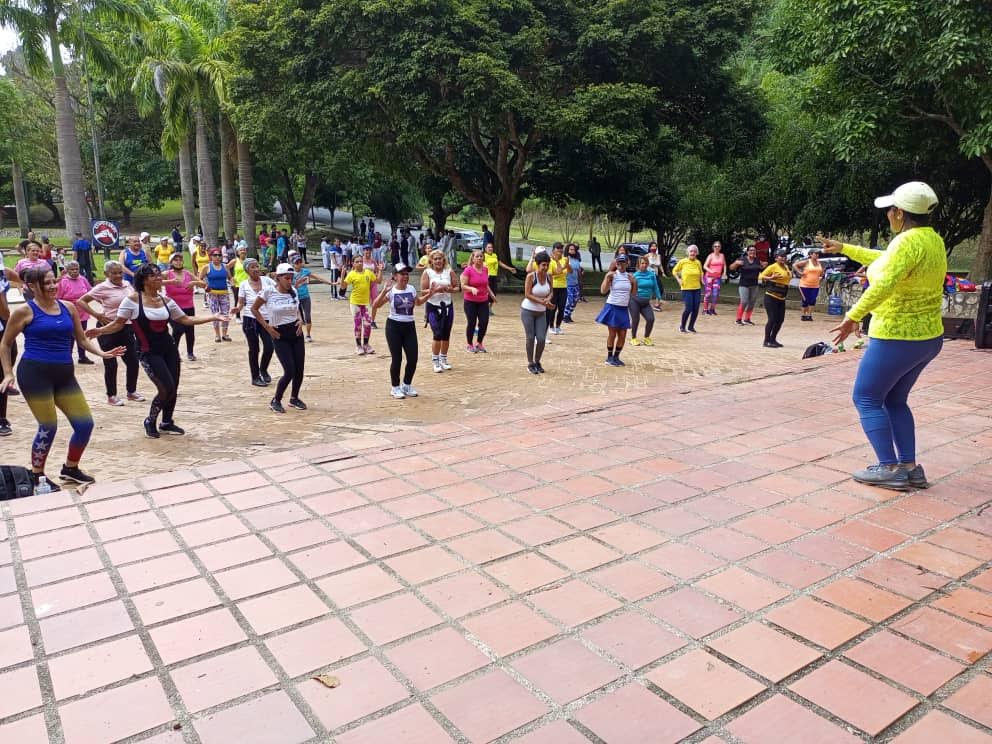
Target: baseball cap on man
<point x="143" y="237"/>
<point x="914" y="197"/>
<point x="284" y="268"/>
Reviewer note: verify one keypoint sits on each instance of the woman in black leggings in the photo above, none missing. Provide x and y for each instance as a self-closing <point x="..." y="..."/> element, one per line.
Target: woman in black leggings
<point x="285" y="326"/>
<point x="401" y="331"/>
<point x="150" y="314"/>
<point x="255" y="335"/>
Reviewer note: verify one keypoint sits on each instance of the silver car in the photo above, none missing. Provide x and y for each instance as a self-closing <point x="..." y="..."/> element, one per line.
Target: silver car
<point x="468" y="240"/>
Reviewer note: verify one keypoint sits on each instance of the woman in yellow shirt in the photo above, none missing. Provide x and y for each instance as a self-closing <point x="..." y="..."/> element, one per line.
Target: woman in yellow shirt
<point x="810" y="272"/>
<point x="689" y="274"/>
<point x="776" y="277"/>
<point x="163" y="254"/>
<point x="904" y="298"/>
<point x="361" y="280"/>
<point x="493" y="265"/>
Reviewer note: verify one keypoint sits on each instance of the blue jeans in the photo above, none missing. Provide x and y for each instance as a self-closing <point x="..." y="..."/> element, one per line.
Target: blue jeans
<point x="691" y="299"/>
<point x="886" y="375"/>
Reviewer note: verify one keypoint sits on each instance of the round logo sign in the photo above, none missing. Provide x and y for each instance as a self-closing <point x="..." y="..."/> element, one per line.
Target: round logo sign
<point x="105" y="233"/>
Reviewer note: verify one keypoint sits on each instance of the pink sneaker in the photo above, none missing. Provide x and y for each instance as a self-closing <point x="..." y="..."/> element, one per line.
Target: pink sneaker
<point x="360" y="350"/>
<point x="136" y="396"/>
<point x="113" y="400"/>
<point x="481" y="349"/>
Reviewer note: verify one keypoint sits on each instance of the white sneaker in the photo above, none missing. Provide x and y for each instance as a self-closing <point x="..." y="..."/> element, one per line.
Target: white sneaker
<point x="444" y="363"/>
<point x="438" y="367"/>
<point x="360" y="351"/>
<point x="409" y="391"/>
<point x="114" y="400"/>
<point x="397" y="393"/>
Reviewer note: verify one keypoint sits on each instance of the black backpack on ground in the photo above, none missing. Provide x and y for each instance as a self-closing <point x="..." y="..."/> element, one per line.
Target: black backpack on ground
<point x="817" y="349"/>
<point x="15" y="482"/>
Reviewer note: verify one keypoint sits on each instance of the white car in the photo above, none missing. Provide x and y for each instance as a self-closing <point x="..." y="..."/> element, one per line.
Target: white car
<point x="468" y="240"/>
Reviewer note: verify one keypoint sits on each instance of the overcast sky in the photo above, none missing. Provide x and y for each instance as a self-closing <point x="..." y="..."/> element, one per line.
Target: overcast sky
<point x="8" y="40"/>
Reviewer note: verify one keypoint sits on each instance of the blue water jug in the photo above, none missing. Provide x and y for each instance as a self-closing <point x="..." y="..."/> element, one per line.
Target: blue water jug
<point x="835" y="306"/>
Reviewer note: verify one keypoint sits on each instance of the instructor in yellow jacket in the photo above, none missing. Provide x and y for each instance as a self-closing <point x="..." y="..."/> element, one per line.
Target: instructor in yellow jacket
<point x="904" y="299"/>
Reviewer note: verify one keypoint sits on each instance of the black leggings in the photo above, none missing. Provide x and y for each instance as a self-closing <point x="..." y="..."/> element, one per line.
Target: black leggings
<point x="125" y="338"/>
<point x="256" y="336"/>
<point x="179" y="330"/>
<point x="640" y="306"/>
<point x="401" y="337"/>
<point x="3" y="396"/>
<point x="162" y="368"/>
<point x="291" y="350"/>
<point x="776" y="316"/>
<point x="476" y="313"/>
<point x="559" y="295"/>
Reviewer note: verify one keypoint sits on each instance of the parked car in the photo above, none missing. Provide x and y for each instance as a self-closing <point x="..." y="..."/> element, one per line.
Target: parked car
<point x="635" y="250"/>
<point x="413" y="223"/>
<point x="468" y="240"/>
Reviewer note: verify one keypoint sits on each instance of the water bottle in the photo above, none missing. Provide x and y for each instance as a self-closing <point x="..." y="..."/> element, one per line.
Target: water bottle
<point x="43" y="487"/>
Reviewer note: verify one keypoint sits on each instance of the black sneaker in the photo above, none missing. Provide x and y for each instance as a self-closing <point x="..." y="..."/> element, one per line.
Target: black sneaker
<point x="776" y="344"/>
<point x="171" y="428"/>
<point x="883" y="477"/>
<point x="265" y="377"/>
<point x="5" y="430"/>
<point x="297" y="403"/>
<point x="740" y="322"/>
<point x="748" y="322"/>
<point x="75" y="475"/>
<point x="532" y="368"/>
<point x="191" y="357"/>
<point x="540" y="369"/>
<point x="917" y="478"/>
<point x="85" y="360"/>
<point x="151" y="431"/>
<point x="259" y="382"/>
<point x="276" y="406"/>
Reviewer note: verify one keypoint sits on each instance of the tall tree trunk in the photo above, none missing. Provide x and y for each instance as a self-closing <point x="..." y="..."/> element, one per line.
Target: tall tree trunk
<point x="70" y="159"/>
<point x="310" y="183"/>
<point x="205" y="180"/>
<point x="186" y="186"/>
<point x="246" y="187"/>
<point x="21" y="199"/>
<point x="502" y="215"/>
<point x="982" y="267"/>
<point x="439" y="216"/>
<point x="228" y="201"/>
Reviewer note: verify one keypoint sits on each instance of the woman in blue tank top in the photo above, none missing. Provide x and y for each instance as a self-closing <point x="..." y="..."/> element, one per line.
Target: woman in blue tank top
<point x="132" y="257"/>
<point x="46" y="374"/>
<point x="217" y="276"/>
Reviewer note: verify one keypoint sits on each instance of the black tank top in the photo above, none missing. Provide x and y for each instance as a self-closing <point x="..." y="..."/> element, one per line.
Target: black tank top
<point x="749" y="272"/>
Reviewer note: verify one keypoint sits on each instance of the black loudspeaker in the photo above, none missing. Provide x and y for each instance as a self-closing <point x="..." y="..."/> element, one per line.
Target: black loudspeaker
<point x="983" y="323"/>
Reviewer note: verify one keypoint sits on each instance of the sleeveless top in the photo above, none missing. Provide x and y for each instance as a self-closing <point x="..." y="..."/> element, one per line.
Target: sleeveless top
<point x="134" y="262"/>
<point x="401" y="304"/>
<point x="442" y="279"/>
<point x="538" y="290"/>
<point x="181" y="293"/>
<point x="716" y="265"/>
<point x="749" y="271"/>
<point x="153" y="334"/>
<point x="620" y="290"/>
<point x="49" y="338"/>
<point x="239" y="272"/>
<point x="217" y="278"/>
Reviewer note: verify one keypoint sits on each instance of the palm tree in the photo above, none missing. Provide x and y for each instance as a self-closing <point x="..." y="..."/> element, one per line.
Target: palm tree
<point x="57" y="24"/>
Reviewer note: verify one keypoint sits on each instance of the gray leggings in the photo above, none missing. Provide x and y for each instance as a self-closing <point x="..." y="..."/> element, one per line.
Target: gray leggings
<point x="640" y="306"/>
<point x="749" y="296"/>
<point x="536" y="330"/>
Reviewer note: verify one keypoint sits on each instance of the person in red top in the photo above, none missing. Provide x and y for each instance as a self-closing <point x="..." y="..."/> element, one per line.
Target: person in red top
<point x="477" y="295"/>
<point x="762" y="249"/>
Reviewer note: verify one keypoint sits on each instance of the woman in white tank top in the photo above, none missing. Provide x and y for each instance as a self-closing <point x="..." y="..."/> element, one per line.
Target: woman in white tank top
<point x="620" y="285"/>
<point x="533" y="311"/>
<point x="439" y="277"/>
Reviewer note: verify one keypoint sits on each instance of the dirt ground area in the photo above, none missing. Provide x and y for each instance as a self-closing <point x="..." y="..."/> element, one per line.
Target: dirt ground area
<point x="225" y="417"/>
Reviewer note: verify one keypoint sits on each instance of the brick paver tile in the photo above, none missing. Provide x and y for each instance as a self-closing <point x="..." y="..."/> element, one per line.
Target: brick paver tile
<point x="30" y="730"/>
<point x="779" y="719"/>
<point x="510" y="628"/>
<point x="633" y="639"/>
<point x="255" y="578"/>
<point x="484" y="546"/>
<point x="61" y="566"/>
<point x="282" y="608"/>
<point x="175" y="601"/>
<point x="905" y="662"/>
<point x="232" y="552"/>
<point x="314" y="646"/>
<point x="771" y="654"/>
<point x="56" y="541"/>
<point x="704" y="683"/>
<point x="937" y="559"/>
<point x="15" y="645"/>
<point x="631" y="580"/>
<point x="270" y="719"/>
<point x="358" y="585"/>
<point x="768" y="528"/>
<point x="969" y="604"/>
<point x="193" y="636"/>
<point x="117" y="713"/>
<point x="854" y="696"/>
<point x="682" y="560"/>
<point x="157" y="572"/>
<point x="118" y="507"/>
<point x="633" y="714"/>
<point x="212" y="530"/>
<point x="946" y="633"/>
<point x="556" y="732"/>
<point x="361" y="520"/>
<point x="128" y="526"/>
<point x="425" y="564"/>
<point x="464" y="593"/>
<point x="415" y="506"/>
<point x="371" y="688"/>
<point x="409" y="725"/>
<point x="498" y="510"/>
<point x="508" y="481"/>
<point x="72" y="594"/>
<point x="447" y="524"/>
<point x="536" y="530"/>
<point x="48" y="520"/>
<point x="789" y="569"/>
<point x="383" y="490"/>
<point x="669" y="491"/>
<point x="983" y="580"/>
<point x="463" y="493"/>
<point x="936" y="726"/>
<point x="804" y="515"/>
<point x="525" y="572"/>
<point x="436" y="658"/>
<point x="628" y="537"/>
<point x="868" y="535"/>
<point x="819" y="623"/>
<point x="574" y="603"/>
<point x="830" y="550"/>
<point x="566" y="670"/>
<point x="19" y="691"/>
<point x="299" y="535"/>
<point x="326" y="559"/>
<point x="483" y="723"/>
<point x="97" y="666"/>
<point x="79" y="627"/>
<point x="692" y="612"/>
<point x="974" y="700"/>
<point x="580" y="553"/>
<point x="394" y="618"/>
<point x="862" y="598"/>
<point x="10" y="611"/>
<point x="899" y="520"/>
<point x="327" y="504"/>
<point x="630" y="503"/>
<point x="195" y="511"/>
<point x="143" y="546"/>
<point x="218" y="679"/>
<point x="584" y="516"/>
<point x="964" y="541"/>
<point x="743" y="589"/>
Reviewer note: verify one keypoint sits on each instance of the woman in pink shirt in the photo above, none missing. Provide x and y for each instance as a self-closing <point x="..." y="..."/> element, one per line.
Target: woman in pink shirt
<point x="179" y="285"/>
<point x="32" y="260"/>
<point x="714" y="274"/>
<point x="477" y="296"/>
<point x="71" y="287"/>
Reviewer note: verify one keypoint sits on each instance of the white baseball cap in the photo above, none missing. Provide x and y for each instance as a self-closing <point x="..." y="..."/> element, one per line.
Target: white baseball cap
<point x="143" y="237"/>
<point x="914" y="197"/>
<point x="284" y="268"/>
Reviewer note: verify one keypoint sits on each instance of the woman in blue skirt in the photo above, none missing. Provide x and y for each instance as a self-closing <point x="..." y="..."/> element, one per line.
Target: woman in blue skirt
<point x="618" y="285"/>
